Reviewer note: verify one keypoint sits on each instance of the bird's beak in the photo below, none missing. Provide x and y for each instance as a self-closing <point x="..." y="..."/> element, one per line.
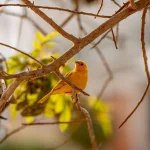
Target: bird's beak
<point x="77" y="62"/>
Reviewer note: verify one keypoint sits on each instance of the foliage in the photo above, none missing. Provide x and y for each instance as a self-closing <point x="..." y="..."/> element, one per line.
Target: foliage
<point x="57" y="106"/>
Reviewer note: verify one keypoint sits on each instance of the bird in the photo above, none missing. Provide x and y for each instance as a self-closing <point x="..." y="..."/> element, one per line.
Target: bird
<point x="78" y="76"/>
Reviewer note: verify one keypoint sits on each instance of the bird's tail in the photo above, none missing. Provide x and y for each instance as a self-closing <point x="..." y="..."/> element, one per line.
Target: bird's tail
<point x="45" y="98"/>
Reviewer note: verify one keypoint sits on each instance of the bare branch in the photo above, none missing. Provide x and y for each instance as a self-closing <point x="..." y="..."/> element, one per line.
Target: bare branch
<point x="145" y="63"/>
<point x="143" y="44"/>
<point x="41" y="64"/>
<point x="141" y="100"/>
<point x="102" y="38"/>
<point x="53" y="123"/>
<point x="113" y="35"/>
<point x="89" y="124"/>
<point x="101" y="5"/>
<point x="12" y="133"/>
<point x="55" y="8"/>
<point x="8" y="93"/>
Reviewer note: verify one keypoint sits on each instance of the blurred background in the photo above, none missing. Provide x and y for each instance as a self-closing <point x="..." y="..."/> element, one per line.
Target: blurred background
<point x="125" y="80"/>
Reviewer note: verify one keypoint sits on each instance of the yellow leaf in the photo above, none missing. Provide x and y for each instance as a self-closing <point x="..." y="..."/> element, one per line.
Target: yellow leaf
<point x="65" y="116"/>
<point x="48" y="111"/>
<point x="29" y="119"/>
<point x="39" y="36"/>
<point x="59" y="104"/>
<point x="13" y="111"/>
<point x="49" y="45"/>
<point x="37" y="45"/>
<point x="50" y="36"/>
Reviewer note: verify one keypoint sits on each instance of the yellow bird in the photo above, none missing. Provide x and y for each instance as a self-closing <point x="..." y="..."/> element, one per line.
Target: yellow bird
<point x="78" y="76"/>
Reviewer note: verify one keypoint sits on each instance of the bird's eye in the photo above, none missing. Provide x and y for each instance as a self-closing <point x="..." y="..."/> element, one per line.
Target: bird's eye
<point x="81" y="64"/>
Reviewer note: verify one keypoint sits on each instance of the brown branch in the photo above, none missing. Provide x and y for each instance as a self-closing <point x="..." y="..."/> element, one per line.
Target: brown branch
<point x="53" y="123"/>
<point x="101" y="5"/>
<point x="114" y="39"/>
<point x="117" y="32"/>
<point x="132" y="4"/>
<point x="3" y="44"/>
<point x="145" y="63"/>
<point x="55" y="8"/>
<point x="104" y="87"/>
<point x="122" y="8"/>
<point x="102" y="38"/>
<point x="89" y="124"/>
<point x="8" y="93"/>
<point x="11" y="133"/>
<point x="143" y="44"/>
<point x="141" y="100"/>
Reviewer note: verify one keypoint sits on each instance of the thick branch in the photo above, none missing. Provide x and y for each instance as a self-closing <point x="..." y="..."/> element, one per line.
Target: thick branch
<point x="8" y="93"/>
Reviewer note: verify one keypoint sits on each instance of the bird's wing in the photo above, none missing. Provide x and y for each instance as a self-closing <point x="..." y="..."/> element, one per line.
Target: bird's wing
<point x="59" y="85"/>
<point x="62" y="83"/>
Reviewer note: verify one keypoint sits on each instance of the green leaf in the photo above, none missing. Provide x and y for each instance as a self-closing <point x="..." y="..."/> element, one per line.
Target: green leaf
<point x="39" y="36"/>
<point x="65" y="116"/>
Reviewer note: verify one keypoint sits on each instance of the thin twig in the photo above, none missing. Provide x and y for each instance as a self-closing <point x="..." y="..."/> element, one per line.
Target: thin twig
<point x="101" y="5"/>
<point x="89" y="124"/>
<point x="104" y="87"/>
<point x="143" y="43"/>
<point x="3" y="44"/>
<point x="53" y="123"/>
<point x="114" y="39"/>
<point x="55" y="8"/>
<point x="12" y="133"/>
<point x="145" y="63"/>
<point x="117" y="32"/>
<point x="141" y="100"/>
<point x="103" y="37"/>
<point x="28" y="18"/>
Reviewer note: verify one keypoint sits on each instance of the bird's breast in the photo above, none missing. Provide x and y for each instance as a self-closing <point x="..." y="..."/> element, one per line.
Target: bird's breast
<point x="80" y="79"/>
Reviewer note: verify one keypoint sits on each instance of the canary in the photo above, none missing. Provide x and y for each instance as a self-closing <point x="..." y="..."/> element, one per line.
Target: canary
<point x="78" y="76"/>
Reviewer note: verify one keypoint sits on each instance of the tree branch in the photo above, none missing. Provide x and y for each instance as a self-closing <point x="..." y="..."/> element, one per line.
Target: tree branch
<point x="56" y="8"/>
<point x="145" y="63"/>
<point x="41" y="64"/>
